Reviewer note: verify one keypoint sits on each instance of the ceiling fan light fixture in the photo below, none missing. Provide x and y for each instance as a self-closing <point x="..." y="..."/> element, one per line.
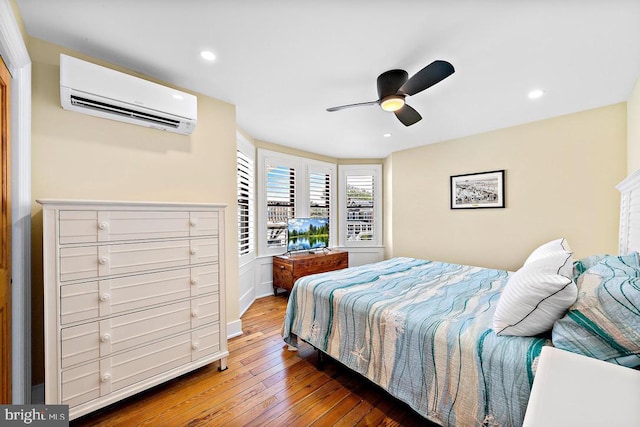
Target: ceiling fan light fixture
<point x="394" y="86"/>
<point x="392" y="103"/>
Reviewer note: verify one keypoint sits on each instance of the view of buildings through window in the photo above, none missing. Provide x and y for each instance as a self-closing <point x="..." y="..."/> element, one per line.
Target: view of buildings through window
<point x="281" y="203"/>
<point x="293" y="187"/>
<point x="281" y="200"/>
<point x="319" y="195"/>
<point x="360" y="207"/>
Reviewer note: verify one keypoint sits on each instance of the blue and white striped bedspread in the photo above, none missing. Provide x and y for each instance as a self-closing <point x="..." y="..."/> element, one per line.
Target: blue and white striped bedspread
<point x="422" y="331"/>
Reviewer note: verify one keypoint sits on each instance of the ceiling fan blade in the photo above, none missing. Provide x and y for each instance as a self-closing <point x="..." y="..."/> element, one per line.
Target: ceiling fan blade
<point x="427" y="77"/>
<point x="390" y="81"/>
<point x="407" y="115"/>
<point x="360" y="104"/>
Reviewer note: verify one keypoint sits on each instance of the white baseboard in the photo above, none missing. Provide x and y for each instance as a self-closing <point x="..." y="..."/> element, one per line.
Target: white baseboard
<point x="268" y="293"/>
<point x="246" y="300"/>
<point x="264" y="289"/>
<point x="234" y="329"/>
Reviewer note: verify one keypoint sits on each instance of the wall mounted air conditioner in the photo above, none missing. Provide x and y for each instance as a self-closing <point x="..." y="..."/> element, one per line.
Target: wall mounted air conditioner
<point x="102" y="92"/>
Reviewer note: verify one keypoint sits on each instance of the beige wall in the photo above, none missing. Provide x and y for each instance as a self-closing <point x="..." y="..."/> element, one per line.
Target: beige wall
<point x="633" y="130"/>
<point x="292" y="151"/>
<point x="560" y="178"/>
<point x="387" y="200"/>
<point x="82" y="157"/>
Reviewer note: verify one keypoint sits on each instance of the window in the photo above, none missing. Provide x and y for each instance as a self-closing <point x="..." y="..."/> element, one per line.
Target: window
<point x="245" y="180"/>
<point x="360" y="201"/>
<point x="281" y="203"/>
<point x="291" y="187"/>
<point x="245" y="203"/>
<point x="319" y="195"/>
<point x="361" y="205"/>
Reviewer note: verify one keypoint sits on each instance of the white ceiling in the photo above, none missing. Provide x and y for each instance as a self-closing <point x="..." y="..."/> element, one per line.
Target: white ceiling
<point x="283" y="62"/>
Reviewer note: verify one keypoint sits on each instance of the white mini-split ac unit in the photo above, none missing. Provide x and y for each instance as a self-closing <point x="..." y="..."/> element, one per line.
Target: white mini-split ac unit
<point x="102" y="92"/>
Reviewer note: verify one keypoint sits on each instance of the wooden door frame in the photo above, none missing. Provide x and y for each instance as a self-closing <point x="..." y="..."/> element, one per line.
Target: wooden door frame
<point x="15" y="54"/>
<point x="5" y="234"/>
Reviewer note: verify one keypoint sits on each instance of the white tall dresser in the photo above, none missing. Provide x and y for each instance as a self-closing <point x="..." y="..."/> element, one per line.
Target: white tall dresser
<point x="133" y="296"/>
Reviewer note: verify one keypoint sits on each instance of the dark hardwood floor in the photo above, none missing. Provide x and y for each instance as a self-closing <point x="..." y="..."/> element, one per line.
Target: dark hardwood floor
<point x="265" y="385"/>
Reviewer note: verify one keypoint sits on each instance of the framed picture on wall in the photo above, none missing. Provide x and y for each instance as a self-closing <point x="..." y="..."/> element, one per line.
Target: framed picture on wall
<point x="478" y="190"/>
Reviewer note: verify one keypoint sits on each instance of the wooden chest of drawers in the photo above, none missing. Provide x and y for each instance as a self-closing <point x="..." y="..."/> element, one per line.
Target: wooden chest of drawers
<point x="133" y="294"/>
<point x="289" y="268"/>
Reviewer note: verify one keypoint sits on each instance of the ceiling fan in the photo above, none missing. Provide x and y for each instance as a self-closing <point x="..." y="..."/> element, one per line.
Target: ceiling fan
<point x="395" y="85"/>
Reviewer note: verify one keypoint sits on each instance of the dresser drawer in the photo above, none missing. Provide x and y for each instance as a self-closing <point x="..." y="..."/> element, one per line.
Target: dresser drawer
<point x="205" y="310"/>
<point x="114" y="226"/>
<point x="205" y="279"/>
<point x="90" y="381"/>
<point x="138" y="257"/>
<point x="95" y="299"/>
<point x="78" y="263"/>
<point x="205" y="341"/>
<point x="87" y="262"/>
<point x="83" y="343"/>
<point x="203" y="223"/>
<point x="81" y="384"/>
<point x="204" y="250"/>
<point x="80" y="344"/>
<point x="78" y="227"/>
<point x="119" y="226"/>
<point x="137" y="365"/>
<point x="87" y="382"/>
<point x="282" y="274"/>
<point x="79" y="302"/>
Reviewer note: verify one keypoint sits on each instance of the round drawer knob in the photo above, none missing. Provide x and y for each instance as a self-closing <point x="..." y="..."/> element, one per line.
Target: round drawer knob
<point x="103" y="225"/>
<point x="193" y="251"/>
<point x="104" y="297"/>
<point x="194" y="313"/>
<point x="105" y="377"/>
<point x="194" y="281"/>
<point x="105" y="337"/>
<point x="103" y="260"/>
<point x="193" y="223"/>
<point x="195" y="345"/>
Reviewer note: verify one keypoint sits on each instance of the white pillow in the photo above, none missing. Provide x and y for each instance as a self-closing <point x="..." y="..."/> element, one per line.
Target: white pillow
<point x="557" y="248"/>
<point x="537" y="294"/>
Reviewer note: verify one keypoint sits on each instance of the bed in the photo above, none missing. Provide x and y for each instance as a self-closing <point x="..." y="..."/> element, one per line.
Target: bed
<point x="427" y="331"/>
<point x="422" y="331"/>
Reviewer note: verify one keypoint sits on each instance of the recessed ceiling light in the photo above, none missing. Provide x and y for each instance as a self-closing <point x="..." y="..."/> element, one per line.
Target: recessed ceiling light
<point x="208" y="55"/>
<point x="536" y="93"/>
<point x="387" y="135"/>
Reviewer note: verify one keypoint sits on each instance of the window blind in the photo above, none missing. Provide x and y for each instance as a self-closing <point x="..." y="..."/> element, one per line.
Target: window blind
<point x="360" y="207"/>
<point x="245" y="165"/>
<point x="319" y="195"/>
<point x="281" y="200"/>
